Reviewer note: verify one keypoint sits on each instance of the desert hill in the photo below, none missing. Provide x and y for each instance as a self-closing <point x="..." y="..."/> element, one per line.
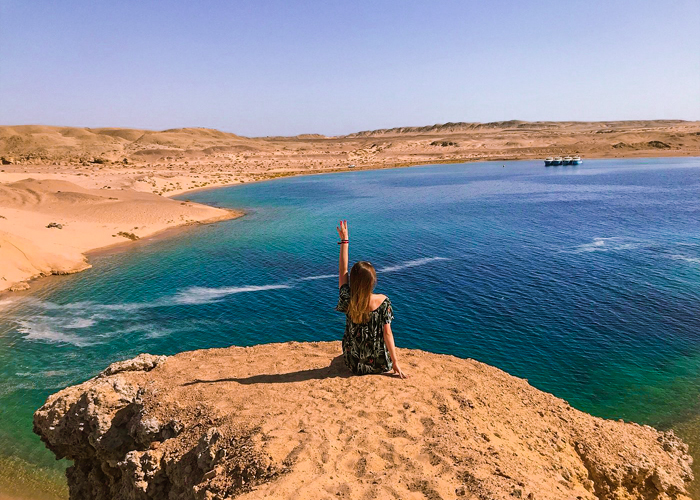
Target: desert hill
<point x="28" y="142"/>
<point x="444" y="142"/>
<point x="514" y="125"/>
<point x="288" y="421"/>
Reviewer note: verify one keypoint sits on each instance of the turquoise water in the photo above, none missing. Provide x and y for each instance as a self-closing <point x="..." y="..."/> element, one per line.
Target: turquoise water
<point x="584" y="280"/>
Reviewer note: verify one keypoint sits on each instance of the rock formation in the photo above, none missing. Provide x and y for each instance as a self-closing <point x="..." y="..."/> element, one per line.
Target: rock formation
<point x="288" y="421"/>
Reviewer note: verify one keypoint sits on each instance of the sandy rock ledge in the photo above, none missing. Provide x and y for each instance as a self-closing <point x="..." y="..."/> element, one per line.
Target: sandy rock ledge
<point x="287" y="421"/>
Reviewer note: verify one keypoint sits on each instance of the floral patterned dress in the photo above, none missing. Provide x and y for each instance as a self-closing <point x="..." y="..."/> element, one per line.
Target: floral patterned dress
<point x="363" y="344"/>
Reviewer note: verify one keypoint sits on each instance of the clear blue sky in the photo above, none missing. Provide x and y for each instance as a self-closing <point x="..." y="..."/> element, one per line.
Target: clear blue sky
<point x="273" y="67"/>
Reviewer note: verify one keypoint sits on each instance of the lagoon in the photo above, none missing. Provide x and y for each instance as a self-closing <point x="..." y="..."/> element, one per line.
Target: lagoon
<point x="585" y="280"/>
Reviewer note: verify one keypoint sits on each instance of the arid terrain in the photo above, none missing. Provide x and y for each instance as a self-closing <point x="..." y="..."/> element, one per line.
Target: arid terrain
<point x="288" y="421"/>
<point x="46" y="226"/>
<point x="173" y="161"/>
<point x="285" y="421"/>
<point x="116" y="180"/>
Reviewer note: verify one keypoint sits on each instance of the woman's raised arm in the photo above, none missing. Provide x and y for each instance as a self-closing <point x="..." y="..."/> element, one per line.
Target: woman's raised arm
<point x="343" y="260"/>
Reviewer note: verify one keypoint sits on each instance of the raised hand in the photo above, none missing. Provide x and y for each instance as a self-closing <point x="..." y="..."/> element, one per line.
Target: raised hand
<point x="343" y="261"/>
<point x="342" y="229"/>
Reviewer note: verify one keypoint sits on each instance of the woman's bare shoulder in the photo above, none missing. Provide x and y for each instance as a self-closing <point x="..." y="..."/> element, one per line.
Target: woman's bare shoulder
<point x="377" y="300"/>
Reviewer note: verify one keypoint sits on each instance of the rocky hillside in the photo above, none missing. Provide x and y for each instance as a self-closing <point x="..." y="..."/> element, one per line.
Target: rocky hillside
<point x="514" y="125"/>
<point x="196" y="148"/>
<point x="287" y="421"/>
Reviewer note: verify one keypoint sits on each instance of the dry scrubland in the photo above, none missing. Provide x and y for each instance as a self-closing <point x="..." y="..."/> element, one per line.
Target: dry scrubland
<point x="286" y="421"/>
<point x="115" y="180"/>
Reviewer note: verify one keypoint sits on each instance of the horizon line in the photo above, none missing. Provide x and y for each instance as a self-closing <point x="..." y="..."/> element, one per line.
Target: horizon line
<point x="383" y="129"/>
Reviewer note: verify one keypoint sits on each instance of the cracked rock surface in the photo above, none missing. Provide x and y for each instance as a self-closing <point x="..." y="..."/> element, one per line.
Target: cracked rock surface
<point x="288" y="421"/>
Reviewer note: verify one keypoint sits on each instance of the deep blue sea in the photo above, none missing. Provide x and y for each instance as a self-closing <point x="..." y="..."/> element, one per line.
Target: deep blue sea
<point x="584" y="280"/>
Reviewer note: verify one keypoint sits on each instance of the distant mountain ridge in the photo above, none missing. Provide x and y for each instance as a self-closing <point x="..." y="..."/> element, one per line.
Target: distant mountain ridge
<point x="469" y="126"/>
<point x="454" y="140"/>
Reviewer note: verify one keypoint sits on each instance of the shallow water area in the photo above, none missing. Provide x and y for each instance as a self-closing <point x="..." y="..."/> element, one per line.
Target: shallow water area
<point x="584" y="280"/>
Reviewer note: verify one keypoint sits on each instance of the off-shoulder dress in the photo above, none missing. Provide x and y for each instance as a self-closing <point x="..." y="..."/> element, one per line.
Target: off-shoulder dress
<point x="363" y="344"/>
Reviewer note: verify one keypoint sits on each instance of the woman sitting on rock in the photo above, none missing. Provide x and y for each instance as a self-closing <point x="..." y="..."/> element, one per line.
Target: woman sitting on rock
<point x="368" y="343"/>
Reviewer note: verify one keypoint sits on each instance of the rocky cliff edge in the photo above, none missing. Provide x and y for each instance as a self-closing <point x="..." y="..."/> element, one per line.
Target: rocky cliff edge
<point x="288" y="421"/>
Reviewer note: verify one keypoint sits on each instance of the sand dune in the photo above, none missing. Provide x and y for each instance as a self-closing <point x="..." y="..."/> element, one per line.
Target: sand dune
<point x="83" y="219"/>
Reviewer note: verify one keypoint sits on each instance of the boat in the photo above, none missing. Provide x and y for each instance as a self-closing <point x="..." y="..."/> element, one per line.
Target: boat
<point x="558" y="160"/>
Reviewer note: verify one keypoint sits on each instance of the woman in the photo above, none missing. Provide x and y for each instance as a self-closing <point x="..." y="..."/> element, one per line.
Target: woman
<point x="368" y="344"/>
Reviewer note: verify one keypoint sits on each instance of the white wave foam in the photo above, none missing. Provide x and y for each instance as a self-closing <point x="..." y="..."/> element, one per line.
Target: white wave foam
<point x="606" y="245"/>
<point x="154" y="332"/>
<point x="5" y="302"/>
<point x="96" y="310"/>
<point x="50" y="306"/>
<point x="13" y="386"/>
<point x="56" y="373"/>
<point x="61" y="330"/>
<point x="693" y="260"/>
<point x="598" y="245"/>
<point x="59" y="322"/>
<point x="203" y="295"/>
<point x="411" y="263"/>
<point x="80" y="323"/>
<point x="147" y="330"/>
<point x="319" y="277"/>
<point x="86" y="314"/>
<point x="46" y="374"/>
<point x="41" y="330"/>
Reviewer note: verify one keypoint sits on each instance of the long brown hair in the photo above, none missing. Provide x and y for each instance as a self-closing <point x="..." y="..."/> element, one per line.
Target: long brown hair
<point x="363" y="277"/>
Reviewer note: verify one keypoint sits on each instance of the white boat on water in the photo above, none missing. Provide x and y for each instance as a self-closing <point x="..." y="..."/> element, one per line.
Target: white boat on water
<point x="558" y="160"/>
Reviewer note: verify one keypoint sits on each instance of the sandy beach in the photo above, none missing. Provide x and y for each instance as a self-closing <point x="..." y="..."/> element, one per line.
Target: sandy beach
<point x="100" y="187"/>
<point x="46" y="226"/>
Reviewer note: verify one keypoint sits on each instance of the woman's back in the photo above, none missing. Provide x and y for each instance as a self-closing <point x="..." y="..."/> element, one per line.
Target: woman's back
<point x="368" y="342"/>
<point x="363" y="343"/>
<point x="376" y="300"/>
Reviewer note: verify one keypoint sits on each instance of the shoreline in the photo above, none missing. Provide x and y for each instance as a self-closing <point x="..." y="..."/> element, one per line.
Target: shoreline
<point x="234" y="213"/>
<point x="51" y="226"/>
<point x="162" y="234"/>
<point x="121" y="246"/>
<point x="304" y="173"/>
